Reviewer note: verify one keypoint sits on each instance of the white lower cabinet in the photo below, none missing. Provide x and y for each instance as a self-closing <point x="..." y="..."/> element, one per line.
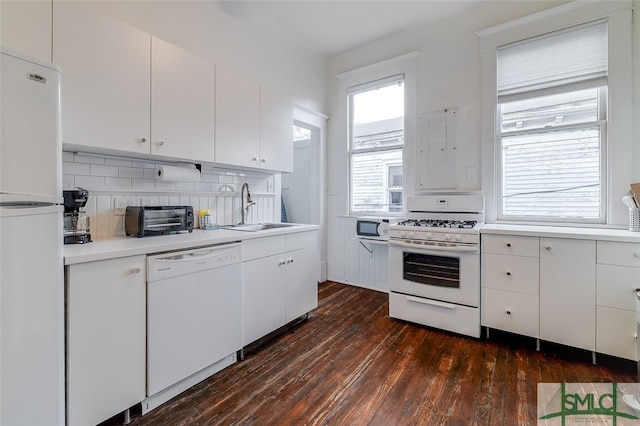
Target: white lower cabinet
<point x="510" y="282"/>
<point x="279" y="282"/>
<point x="568" y="292"/>
<point x="106" y="331"/>
<point x="576" y="292"/>
<point x="618" y="277"/>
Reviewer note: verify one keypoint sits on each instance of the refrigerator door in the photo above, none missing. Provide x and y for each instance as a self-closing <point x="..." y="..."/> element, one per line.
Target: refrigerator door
<point x="31" y="316"/>
<point x="30" y="154"/>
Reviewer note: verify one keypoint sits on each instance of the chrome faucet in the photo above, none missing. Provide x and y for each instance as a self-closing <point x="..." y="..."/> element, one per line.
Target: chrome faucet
<point x="244" y="208"/>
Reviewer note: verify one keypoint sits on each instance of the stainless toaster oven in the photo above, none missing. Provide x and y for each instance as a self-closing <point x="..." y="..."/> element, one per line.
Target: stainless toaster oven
<point x="143" y="221"/>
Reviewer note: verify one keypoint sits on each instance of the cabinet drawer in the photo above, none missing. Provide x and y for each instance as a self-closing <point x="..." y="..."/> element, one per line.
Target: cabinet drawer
<point x="616" y="333"/>
<point x="509" y="311"/>
<point x="616" y="253"/>
<point x="511" y="273"/>
<point x="444" y="316"/>
<point x="301" y="240"/>
<point x="511" y="244"/>
<point x="262" y="247"/>
<point x="615" y="286"/>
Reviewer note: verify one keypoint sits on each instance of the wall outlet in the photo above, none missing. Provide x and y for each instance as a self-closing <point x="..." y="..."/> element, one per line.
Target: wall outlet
<point x="120" y="205"/>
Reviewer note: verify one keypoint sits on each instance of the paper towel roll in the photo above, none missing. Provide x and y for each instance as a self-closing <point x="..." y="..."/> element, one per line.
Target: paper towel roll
<point x="177" y="174"/>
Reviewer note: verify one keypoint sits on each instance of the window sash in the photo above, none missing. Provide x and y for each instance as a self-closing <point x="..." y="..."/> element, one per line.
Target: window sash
<point x="554" y="188"/>
<point x="372" y="194"/>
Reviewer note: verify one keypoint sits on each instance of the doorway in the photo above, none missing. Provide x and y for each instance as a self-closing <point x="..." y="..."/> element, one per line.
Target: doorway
<point x="301" y="189"/>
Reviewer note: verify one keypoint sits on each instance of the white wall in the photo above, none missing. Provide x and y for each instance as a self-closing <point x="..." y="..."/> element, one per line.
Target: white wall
<point x="448" y="76"/>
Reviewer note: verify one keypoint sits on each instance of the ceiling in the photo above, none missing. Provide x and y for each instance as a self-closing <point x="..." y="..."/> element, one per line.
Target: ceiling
<point x="330" y="27"/>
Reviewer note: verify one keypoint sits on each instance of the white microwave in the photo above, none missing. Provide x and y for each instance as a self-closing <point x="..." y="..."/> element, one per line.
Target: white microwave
<point x="372" y="227"/>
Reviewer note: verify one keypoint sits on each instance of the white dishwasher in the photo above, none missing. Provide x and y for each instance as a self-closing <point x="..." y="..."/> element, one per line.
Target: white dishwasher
<point x="194" y="318"/>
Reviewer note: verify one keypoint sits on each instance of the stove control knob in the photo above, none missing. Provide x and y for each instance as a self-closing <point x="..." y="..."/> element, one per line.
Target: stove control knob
<point x="429" y="236"/>
<point x="458" y="237"/>
<point x="403" y="234"/>
<point x="447" y="237"/>
<point x="412" y="234"/>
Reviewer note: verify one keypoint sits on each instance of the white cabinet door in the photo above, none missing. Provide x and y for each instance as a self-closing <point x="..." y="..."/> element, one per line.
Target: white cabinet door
<point x="302" y="282"/>
<point x="105" y="80"/>
<point x="276" y="131"/>
<point x="182" y="100"/>
<point x="617" y="333"/>
<point x="568" y="292"/>
<point x="25" y="26"/>
<point x="237" y="124"/>
<point x="106" y="330"/>
<point x="263" y="297"/>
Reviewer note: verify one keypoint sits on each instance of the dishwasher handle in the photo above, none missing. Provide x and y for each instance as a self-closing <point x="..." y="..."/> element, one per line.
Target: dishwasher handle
<point x="188" y="261"/>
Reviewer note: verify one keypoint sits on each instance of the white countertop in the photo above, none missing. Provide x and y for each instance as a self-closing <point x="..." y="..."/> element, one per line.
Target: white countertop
<point x="622" y="235"/>
<point x="109" y="248"/>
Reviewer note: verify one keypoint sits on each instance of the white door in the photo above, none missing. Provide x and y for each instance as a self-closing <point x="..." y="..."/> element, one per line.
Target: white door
<point x="237" y="119"/>
<point x="105" y="86"/>
<point x="31" y="317"/>
<point x="276" y="140"/>
<point x="193" y="321"/>
<point x="182" y="99"/>
<point x="29" y="145"/>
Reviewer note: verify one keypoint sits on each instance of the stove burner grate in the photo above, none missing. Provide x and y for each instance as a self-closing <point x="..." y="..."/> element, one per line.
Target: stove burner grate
<point x="439" y="223"/>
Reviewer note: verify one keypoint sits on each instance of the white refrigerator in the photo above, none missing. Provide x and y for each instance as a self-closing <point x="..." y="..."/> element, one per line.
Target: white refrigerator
<point x="31" y="257"/>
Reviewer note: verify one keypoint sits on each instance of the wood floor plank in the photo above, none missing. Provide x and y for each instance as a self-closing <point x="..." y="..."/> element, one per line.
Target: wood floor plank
<point x="351" y="364"/>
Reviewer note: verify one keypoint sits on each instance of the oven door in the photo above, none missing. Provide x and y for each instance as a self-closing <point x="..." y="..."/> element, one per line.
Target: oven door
<point x="445" y="275"/>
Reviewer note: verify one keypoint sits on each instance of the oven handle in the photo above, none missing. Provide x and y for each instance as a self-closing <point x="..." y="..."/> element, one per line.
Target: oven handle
<point x="431" y="302"/>
<point x="461" y="248"/>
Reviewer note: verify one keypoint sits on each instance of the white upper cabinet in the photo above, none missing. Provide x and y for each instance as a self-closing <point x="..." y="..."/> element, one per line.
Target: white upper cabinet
<point x="237" y="119"/>
<point x="182" y="103"/>
<point x="124" y="90"/>
<point x="25" y="26"/>
<point x="105" y="79"/>
<point x="276" y="131"/>
<point x="253" y="124"/>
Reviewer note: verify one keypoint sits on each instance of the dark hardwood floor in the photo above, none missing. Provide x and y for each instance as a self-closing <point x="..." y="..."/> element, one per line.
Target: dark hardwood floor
<point x="350" y="364"/>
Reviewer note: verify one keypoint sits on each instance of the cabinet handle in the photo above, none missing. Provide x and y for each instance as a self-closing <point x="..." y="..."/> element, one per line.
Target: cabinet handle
<point x="548" y="248"/>
<point x="143" y="140"/>
<point x="136" y="270"/>
<point x="636" y="254"/>
<point x="282" y="262"/>
<point x="508" y="312"/>
<point x="508" y="244"/>
<point x="254" y="158"/>
<point x="508" y="273"/>
<point x="264" y="160"/>
<point x="160" y="143"/>
<point x="290" y="260"/>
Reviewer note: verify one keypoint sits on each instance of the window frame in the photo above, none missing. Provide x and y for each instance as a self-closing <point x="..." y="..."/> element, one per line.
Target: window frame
<point x="622" y="158"/>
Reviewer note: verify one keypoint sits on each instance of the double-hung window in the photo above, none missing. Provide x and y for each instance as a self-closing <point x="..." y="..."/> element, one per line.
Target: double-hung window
<point x="376" y="140"/>
<point x="552" y="116"/>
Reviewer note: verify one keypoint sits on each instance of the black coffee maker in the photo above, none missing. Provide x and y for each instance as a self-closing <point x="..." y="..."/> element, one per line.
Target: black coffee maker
<point x="76" y="221"/>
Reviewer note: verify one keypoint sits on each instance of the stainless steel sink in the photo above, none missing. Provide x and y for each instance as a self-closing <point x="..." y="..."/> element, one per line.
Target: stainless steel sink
<point x="253" y="227"/>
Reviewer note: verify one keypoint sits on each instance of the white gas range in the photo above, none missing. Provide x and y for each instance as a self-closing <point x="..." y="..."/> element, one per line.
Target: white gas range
<point x="434" y="262"/>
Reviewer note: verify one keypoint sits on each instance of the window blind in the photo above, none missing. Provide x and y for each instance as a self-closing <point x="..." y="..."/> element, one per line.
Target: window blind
<point x="555" y="59"/>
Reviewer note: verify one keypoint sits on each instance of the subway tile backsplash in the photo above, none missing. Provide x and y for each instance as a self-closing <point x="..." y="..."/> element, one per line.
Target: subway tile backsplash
<point x="106" y="177"/>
